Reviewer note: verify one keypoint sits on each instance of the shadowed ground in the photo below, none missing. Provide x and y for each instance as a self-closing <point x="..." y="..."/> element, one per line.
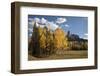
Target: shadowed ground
<point x="71" y="54"/>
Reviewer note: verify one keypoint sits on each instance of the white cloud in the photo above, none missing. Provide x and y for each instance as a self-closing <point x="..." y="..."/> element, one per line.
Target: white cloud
<point x="61" y="20"/>
<point x="30" y="29"/>
<point x="66" y="25"/>
<point x="36" y="19"/>
<point x="53" y="26"/>
<point x="43" y="21"/>
<point x="42" y="25"/>
<point x="85" y="36"/>
<point x="30" y="23"/>
<point x="31" y="19"/>
<point x="30" y="35"/>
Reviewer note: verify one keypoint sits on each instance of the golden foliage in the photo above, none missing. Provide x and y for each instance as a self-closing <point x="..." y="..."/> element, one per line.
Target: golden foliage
<point x="60" y="41"/>
<point x="45" y="41"/>
<point x="42" y="37"/>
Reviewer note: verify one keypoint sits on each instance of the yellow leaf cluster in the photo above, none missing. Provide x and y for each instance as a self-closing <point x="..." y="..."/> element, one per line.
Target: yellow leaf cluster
<point x="42" y="37"/>
<point x="59" y="39"/>
<point x="49" y="40"/>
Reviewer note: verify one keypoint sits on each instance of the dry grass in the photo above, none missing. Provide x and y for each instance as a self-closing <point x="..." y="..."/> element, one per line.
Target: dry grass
<point x="71" y="54"/>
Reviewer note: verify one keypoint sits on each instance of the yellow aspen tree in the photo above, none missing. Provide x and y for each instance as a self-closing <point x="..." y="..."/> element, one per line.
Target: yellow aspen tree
<point x="60" y="41"/>
<point x="42" y="37"/>
<point x="49" y="41"/>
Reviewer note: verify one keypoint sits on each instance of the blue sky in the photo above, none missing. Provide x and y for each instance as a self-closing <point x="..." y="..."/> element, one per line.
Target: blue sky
<point x="76" y="25"/>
